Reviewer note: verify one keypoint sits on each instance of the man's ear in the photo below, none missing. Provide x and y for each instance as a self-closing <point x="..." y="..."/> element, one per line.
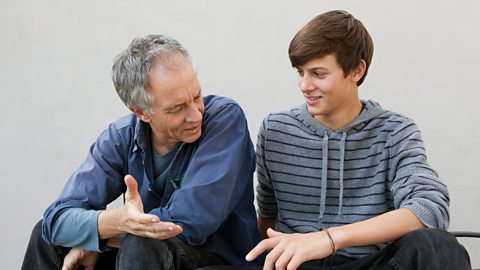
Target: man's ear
<point x="141" y="114"/>
<point x="359" y="71"/>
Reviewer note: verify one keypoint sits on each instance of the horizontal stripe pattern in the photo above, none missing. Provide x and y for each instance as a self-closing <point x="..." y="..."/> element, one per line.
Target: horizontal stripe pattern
<point x="385" y="167"/>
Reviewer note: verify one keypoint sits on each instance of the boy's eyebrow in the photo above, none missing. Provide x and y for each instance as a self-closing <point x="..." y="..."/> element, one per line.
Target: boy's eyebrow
<point x="318" y="68"/>
<point x="313" y="68"/>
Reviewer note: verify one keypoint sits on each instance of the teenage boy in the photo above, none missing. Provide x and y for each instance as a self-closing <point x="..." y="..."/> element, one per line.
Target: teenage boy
<point x="344" y="182"/>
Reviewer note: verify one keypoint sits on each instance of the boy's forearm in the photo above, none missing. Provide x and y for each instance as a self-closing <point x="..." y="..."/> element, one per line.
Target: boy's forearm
<point x="380" y="229"/>
<point x="263" y="224"/>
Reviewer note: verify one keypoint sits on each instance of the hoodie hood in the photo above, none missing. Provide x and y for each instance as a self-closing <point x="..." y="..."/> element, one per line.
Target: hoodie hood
<point x="371" y="109"/>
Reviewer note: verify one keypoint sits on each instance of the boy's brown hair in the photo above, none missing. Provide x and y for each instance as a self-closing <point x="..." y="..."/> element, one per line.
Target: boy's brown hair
<point x="334" y="32"/>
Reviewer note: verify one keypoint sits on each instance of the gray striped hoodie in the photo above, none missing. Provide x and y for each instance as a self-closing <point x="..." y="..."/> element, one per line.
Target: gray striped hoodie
<point x="310" y="177"/>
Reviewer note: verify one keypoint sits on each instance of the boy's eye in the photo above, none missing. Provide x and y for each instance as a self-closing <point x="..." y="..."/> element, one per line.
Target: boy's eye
<point x="300" y="72"/>
<point x="319" y="74"/>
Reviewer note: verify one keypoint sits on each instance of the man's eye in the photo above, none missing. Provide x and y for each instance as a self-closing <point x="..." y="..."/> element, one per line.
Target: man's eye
<point x="300" y="72"/>
<point x="175" y="109"/>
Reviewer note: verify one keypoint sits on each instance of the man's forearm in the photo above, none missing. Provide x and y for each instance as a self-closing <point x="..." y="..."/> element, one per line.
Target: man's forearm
<point x="109" y="223"/>
<point x="381" y="229"/>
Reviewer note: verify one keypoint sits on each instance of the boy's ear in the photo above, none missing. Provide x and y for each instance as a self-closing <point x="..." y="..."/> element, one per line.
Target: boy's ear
<point x="141" y="114"/>
<point x="359" y="71"/>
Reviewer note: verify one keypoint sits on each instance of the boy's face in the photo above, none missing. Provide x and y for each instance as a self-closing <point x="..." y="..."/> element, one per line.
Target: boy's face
<point x="330" y="95"/>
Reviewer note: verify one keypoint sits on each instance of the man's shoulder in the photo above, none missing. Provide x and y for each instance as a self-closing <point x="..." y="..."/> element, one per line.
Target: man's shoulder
<point x="126" y="121"/>
<point x="214" y="102"/>
<point x="217" y="107"/>
<point x="125" y="127"/>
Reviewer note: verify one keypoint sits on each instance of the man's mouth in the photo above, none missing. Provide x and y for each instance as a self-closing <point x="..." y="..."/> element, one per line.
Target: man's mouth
<point x="193" y="128"/>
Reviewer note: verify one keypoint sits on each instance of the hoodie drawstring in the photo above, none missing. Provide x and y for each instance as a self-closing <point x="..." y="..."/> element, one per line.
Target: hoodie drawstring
<point x="342" y="160"/>
<point x="323" y="183"/>
<point x="323" y="186"/>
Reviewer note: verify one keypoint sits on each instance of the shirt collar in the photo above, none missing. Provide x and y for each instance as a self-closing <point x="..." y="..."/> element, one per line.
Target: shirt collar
<point x="142" y="135"/>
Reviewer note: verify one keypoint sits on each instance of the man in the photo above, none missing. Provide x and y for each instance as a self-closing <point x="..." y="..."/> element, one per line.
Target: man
<point x="339" y="177"/>
<point x="184" y="164"/>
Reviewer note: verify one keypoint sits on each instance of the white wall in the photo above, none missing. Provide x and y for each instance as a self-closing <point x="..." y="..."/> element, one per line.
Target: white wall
<point x="56" y="92"/>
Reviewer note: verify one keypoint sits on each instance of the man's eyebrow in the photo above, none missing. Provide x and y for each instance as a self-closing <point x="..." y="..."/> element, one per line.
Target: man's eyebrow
<point x="199" y="93"/>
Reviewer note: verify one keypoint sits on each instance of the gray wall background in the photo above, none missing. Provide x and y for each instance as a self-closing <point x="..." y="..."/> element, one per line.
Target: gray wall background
<point x="57" y="96"/>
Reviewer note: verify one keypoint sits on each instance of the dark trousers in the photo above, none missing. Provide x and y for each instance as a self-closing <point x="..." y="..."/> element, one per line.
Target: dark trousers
<point x="135" y="253"/>
<point x="431" y="249"/>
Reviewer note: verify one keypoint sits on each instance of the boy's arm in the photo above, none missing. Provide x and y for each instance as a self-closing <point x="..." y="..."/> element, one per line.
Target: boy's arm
<point x="380" y="229"/>
<point x="263" y="224"/>
<point x="294" y="249"/>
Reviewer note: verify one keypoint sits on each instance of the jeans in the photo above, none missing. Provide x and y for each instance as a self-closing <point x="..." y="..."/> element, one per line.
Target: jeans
<point x="431" y="249"/>
<point x="135" y="253"/>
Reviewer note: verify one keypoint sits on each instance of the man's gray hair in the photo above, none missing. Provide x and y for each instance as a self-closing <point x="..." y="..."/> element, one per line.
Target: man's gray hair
<point x="131" y="67"/>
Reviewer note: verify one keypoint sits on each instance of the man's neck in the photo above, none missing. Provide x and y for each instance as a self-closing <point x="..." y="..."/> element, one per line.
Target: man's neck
<point x="162" y="148"/>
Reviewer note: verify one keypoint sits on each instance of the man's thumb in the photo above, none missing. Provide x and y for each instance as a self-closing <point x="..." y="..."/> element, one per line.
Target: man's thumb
<point x="132" y="186"/>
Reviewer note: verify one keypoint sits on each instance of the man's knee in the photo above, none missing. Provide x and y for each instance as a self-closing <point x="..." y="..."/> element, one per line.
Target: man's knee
<point x="40" y="254"/>
<point x="138" y="244"/>
<point x="36" y="238"/>
<point x="136" y="251"/>
<point x="37" y="230"/>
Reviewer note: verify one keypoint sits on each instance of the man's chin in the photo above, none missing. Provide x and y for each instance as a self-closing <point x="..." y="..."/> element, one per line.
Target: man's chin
<point x="192" y="138"/>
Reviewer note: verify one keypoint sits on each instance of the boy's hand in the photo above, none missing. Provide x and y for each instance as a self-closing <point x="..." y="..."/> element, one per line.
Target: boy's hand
<point x="291" y="250"/>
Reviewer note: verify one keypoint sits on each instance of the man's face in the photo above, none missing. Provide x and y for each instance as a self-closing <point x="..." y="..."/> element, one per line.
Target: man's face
<point x="327" y="91"/>
<point x="177" y="105"/>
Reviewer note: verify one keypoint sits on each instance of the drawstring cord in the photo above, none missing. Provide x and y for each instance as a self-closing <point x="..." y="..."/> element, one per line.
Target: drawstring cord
<point x="323" y="195"/>
<point x="342" y="160"/>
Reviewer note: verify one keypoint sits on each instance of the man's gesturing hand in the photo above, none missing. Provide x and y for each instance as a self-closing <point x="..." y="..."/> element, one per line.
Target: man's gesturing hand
<point x="139" y="223"/>
<point x="131" y="219"/>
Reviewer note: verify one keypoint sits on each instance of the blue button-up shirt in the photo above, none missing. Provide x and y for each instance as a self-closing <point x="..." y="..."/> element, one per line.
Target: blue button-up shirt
<point x="209" y="187"/>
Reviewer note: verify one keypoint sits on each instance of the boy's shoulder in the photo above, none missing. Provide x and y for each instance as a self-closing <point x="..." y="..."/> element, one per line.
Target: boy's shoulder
<point x="281" y="118"/>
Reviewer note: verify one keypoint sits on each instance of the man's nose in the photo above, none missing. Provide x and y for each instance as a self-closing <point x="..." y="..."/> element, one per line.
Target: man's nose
<point x="194" y="113"/>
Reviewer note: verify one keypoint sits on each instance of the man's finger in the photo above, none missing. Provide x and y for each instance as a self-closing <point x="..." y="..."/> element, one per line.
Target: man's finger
<point x="145" y="219"/>
<point x="162" y="230"/>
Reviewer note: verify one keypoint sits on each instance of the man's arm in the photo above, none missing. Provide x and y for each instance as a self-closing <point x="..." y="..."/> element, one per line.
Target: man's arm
<point x="91" y="187"/>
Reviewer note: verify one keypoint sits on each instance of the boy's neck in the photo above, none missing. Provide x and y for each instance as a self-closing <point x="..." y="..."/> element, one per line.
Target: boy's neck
<point x="341" y="118"/>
